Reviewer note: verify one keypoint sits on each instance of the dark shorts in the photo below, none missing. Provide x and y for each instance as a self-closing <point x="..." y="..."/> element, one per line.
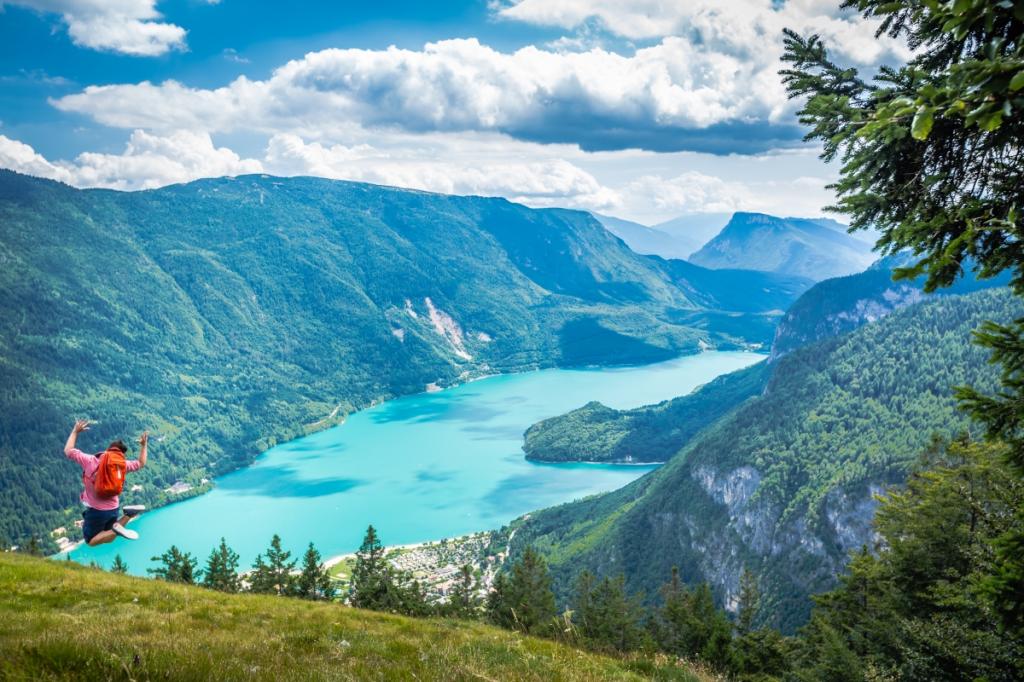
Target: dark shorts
<point x="97" y="520"/>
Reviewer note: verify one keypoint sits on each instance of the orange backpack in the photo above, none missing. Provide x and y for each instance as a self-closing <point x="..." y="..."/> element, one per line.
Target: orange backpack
<point x="109" y="480"/>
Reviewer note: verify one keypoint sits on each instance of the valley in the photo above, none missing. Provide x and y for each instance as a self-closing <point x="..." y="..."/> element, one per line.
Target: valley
<point x="419" y="468"/>
<point x="229" y="315"/>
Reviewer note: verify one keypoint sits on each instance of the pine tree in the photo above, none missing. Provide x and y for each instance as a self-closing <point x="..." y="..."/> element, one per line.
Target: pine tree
<point x="919" y="608"/>
<point x="689" y="625"/>
<point x="118" y="566"/>
<point x="222" y="569"/>
<point x="465" y="599"/>
<point x="32" y="548"/>
<point x="315" y="581"/>
<point x="368" y="587"/>
<point x="749" y="602"/>
<point x="524" y="601"/>
<point x="273" y="576"/>
<point x="175" y="566"/>
<point x="609" y="619"/>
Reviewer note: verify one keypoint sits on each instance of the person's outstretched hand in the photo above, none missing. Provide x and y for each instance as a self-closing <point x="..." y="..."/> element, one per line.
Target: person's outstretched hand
<point x="144" y="438"/>
<point x="81" y="425"/>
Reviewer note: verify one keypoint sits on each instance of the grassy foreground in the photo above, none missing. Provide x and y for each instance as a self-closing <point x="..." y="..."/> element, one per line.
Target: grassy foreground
<point x="64" y="621"/>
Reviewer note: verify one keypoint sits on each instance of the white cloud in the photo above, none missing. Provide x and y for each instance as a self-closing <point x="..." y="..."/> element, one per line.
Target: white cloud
<point x="21" y="157"/>
<point x="696" y="192"/>
<point x="126" y="26"/>
<point x="750" y="28"/>
<point x="644" y="186"/>
<point x="661" y="97"/>
<point x="547" y="182"/>
<point x="148" y="161"/>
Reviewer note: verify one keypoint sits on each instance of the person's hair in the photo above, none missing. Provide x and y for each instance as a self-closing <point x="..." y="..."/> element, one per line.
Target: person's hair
<point x="118" y="445"/>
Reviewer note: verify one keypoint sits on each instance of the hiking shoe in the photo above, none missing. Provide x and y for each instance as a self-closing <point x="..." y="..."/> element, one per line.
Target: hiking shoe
<point x="124" y="532"/>
<point x="130" y="510"/>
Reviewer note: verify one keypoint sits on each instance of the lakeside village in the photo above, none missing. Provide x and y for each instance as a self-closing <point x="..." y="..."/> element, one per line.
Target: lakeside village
<point x="436" y="564"/>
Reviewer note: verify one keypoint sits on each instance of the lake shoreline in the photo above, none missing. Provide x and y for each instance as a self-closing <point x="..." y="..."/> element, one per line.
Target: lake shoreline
<point x="419" y="467"/>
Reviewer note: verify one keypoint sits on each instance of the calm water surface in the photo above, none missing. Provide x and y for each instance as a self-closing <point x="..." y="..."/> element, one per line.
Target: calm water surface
<point x="419" y="468"/>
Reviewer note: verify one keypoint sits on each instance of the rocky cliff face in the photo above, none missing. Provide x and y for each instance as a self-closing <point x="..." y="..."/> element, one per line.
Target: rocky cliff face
<point x="756" y="529"/>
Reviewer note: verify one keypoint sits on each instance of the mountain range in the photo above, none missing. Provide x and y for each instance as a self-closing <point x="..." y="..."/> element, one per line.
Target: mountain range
<point x="676" y="238"/>
<point x="230" y="314"/>
<point x="813" y="248"/>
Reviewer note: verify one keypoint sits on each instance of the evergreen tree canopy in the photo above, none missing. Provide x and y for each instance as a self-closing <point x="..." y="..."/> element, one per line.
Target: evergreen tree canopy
<point x="273" y="576"/>
<point x="607" y="617"/>
<point x="221" y="571"/>
<point x="932" y="157"/>
<point x="688" y="624"/>
<point x="375" y="585"/>
<point x="464" y="601"/>
<point x="314" y="582"/>
<point x="118" y="565"/>
<point x="176" y="566"/>
<point x="919" y="608"/>
<point x="523" y="600"/>
<point x="749" y="602"/>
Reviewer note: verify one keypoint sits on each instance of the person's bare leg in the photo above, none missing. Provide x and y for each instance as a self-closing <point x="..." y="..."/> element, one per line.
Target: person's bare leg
<point x="125" y="520"/>
<point x="102" y="538"/>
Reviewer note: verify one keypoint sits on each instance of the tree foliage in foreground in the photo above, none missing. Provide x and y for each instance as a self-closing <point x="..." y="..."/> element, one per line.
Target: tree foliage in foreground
<point x="522" y="600"/>
<point x="932" y="157"/>
<point x="919" y="609"/>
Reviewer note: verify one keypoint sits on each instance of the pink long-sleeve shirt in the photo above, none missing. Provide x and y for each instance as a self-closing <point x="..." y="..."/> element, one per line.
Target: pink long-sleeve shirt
<point x="90" y="463"/>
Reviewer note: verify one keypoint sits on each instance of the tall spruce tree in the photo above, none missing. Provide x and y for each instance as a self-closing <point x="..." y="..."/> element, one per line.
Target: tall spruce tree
<point x="368" y="587"/>
<point x="748" y="603"/>
<point x="464" y="601"/>
<point x="274" y="575"/>
<point x="523" y="599"/>
<point x="314" y="582"/>
<point x="932" y="157"/>
<point x="118" y="565"/>
<point x="376" y="585"/>
<point x="221" y="571"/>
<point x="689" y="626"/>
<point x="606" y="616"/>
<point x="175" y="566"/>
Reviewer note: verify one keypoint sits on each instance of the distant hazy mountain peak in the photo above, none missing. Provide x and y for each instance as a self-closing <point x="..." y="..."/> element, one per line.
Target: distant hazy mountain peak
<point x="816" y="248"/>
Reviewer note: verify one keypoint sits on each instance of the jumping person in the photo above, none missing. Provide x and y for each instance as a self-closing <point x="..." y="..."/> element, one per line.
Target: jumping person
<point x="103" y="477"/>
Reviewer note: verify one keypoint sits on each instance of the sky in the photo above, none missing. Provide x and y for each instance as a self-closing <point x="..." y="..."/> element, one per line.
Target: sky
<point x="642" y="109"/>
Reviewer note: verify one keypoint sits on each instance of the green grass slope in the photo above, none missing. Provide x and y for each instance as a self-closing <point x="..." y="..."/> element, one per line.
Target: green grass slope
<point x="67" y="622"/>
<point x="783" y="484"/>
<point x="230" y="314"/>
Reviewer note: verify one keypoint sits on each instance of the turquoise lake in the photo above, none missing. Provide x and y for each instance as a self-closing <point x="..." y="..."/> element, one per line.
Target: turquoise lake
<point x="422" y="467"/>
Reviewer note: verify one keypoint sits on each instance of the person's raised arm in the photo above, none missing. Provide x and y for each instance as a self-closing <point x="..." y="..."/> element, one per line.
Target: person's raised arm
<point x="143" y="448"/>
<point x="80" y="425"/>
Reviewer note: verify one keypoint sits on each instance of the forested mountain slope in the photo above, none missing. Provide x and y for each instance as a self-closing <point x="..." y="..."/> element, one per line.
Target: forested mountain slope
<point x="228" y="314"/>
<point x="783" y="485"/>
<point x="839" y="305"/>
<point x="794" y="246"/>
<point x="653" y="433"/>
